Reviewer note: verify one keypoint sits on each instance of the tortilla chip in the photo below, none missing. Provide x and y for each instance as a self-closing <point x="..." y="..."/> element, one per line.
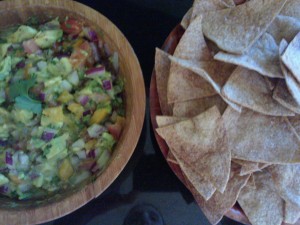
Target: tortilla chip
<point x="194" y="107"/>
<point x="249" y="89"/>
<point x="203" y="6"/>
<point x="207" y="154"/>
<point x="162" y="69"/>
<point x="236" y="29"/>
<point x="216" y="207"/>
<point x="291" y="213"/>
<point x="186" y="19"/>
<point x="259" y="138"/>
<point x="163" y="121"/>
<point x="202" y="184"/>
<point x="282" y="95"/>
<point x="291" y="82"/>
<point x="262" y="57"/>
<point x="262" y="206"/>
<point x="216" y="73"/>
<point x="287" y="182"/>
<point x="291" y="56"/>
<point x="284" y="27"/>
<point x="183" y="84"/>
<point x="291" y="8"/>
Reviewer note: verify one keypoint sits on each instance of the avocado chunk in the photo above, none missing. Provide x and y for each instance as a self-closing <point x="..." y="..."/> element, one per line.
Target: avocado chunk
<point x="45" y="39"/>
<point x="23" y="33"/>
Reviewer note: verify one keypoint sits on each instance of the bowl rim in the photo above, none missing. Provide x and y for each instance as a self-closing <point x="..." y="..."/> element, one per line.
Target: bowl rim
<point x="68" y="204"/>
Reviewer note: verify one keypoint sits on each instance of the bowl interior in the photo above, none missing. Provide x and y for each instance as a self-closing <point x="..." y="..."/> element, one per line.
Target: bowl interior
<point x="18" y="12"/>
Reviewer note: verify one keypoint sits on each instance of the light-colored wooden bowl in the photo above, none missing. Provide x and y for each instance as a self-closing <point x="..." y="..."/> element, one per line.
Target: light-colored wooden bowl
<point x="32" y="212"/>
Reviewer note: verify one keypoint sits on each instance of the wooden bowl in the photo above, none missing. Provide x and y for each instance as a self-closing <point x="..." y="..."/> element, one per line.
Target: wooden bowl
<point x="38" y="211"/>
<point x="169" y="46"/>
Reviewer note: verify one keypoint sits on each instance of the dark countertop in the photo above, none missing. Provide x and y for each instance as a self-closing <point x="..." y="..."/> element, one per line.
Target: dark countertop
<point x="147" y="177"/>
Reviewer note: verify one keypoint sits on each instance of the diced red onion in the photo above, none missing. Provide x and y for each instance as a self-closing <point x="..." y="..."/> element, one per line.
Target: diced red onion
<point x="62" y="55"/>
<point x="95" y="168"/>
<point x="90" y="34"/>
<point x="83" y="99"/>
<point x="33" y="175"/>
<point x="96" y="130"/>
<point x="4" y="189"/>
<point x="8" y="158"/>
<point x="115" y="61"/>
<point x="30" y="46"/>
<point x="3" y="143"/>
<point x="20" y="64"/>
<point x="95" y="72"/>
<point x="47" y="136"/>
<point x="87" y="164"/>
<point x="87" y="112"/>
<point x="42" y="96"/>
<point x="91" y="154"/>
<point x="95" y="52"/>
<point x="107" y="50"/>
<point x="73" y="78"/>
<point x="107" y="85"/>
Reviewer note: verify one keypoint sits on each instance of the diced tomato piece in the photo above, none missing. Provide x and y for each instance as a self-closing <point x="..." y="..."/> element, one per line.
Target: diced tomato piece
<point x="30" y="46"/>
<point x="82" y="55"/>
<point x="115" y="130"/>
<point x="71" y="26"/>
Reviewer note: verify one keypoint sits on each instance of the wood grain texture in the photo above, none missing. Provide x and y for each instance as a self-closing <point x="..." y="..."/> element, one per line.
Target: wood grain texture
<point x="169" y="46"/>
<point x="32" y="212"/>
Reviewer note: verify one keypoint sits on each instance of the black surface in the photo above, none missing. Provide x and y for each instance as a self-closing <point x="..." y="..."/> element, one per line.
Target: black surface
<point x="147" y="178"/>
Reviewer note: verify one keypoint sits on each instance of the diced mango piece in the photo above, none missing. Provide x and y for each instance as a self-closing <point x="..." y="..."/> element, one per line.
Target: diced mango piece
<point x="90" y="145"/>
<point x="65" y="97"/>
<point x="120" y="120"/>
<point x="55" y="114"/>
<point x="65" y="170"/>
<point x="99" y="115"/>
<point x="77" y="109"/>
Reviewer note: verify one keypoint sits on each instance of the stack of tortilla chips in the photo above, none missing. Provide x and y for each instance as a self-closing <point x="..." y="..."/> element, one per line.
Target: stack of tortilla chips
<point x="230" y="98"/>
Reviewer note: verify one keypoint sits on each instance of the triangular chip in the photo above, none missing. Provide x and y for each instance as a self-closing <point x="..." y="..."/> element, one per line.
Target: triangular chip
<point x="216" y="207"/>
<point x="291" y="8"/>
<point x="261" y="57"/>
<point x="183" y="84"/>
<point x="291" y="82"/>
<point x="162" y="70"/>
<point x="251" y="182"/>
<point x="291" y="56"/>
<point x="291" y="213"/>
<point x="202" y="184"/>
<point x="262" y="206"/>
<point x="163" y="121"/>
<point x="171" y="158"/>
<point x="249" y="89"/>
<point x="287" y="182"/>
<point x="202" y="143"/>
<point x="284" y="27"/>
<point x="260" y="138"/>
<point x="216" y="73"/>
<point x="203" y="6"/>
<point x="185" y="22"/>
<point x="236" y="29"/>
<point x="194" y="107"/>
<point x="282" y="95"/>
